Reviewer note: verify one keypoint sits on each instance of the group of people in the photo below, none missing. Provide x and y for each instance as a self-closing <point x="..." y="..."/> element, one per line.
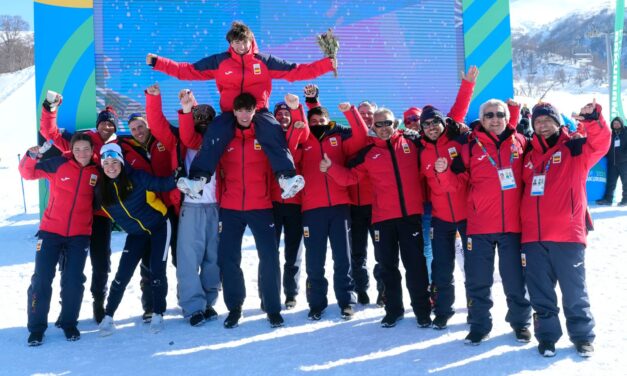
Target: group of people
<point x="298" y="173"/>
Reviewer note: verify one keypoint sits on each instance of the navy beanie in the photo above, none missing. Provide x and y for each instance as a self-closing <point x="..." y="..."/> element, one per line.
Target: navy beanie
<point x="280" y="106"/>
<point x="430" y="112"/>
<point x="108" y="114"/>
<point x="547" y="109"/>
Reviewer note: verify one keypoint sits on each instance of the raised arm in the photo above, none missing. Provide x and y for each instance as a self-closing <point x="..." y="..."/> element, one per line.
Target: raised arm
<point x="201" y="70"/>
<point x="464" y="95"/>
<point x="159" y="125"/>
<point x="598" y="134"/>
<point x="359" y="137"/>
<point x="291" y="72"/>
<point x="48" y="123"/>
<point x="189" y="137"/>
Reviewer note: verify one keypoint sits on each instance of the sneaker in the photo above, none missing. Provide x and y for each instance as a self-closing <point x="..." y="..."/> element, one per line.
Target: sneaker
<point x="106" y="326"/>
<point x="584" y="349"/>
<point x="347" y="312"/>
<point x="147" y="317"/>
<point x="232" y="320"/>
<point x="156" y="324"/>
<point x="99" y="311"/>
<point x="291" y="186"/>
<point x="523" y="335"/>
<point x="475" y="338"/>
<point x="440" y="322"/>
<point x="381" y="299"/>
<point x="197" y="319"/>
<point x="390" y="320"/>
<point x="424" y="322"/>
<point x="72" y="334"/>
<point x="315" y="314"/>
<point x="35" y="339"/>
<point x="603" y="202"/>
<point x="363" y="298"/>
<point x="276" y="320"/>
<point x="546" y="349"/>
<point x="210" y="313"/>
<point x="290" y="302"/>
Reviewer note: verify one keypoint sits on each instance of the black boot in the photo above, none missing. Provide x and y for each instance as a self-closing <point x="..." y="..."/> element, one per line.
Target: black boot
<point x="99" y="311"/>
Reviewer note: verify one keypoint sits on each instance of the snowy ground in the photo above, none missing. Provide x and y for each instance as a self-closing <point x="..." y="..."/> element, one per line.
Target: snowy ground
<point x="331" y="346"/>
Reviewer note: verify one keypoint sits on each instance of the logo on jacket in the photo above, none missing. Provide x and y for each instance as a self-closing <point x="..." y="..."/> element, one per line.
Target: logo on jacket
<point x="515" y="151"/>
<point x="228" y="73"/>
<point x="452" y="152"/>
<point x="160" y="146"/>
<point x="93" y="179"/>
<point x="529" y="165"/>
<point x="133" y="162"/>
<point x="230" y="149"/>
<point x="376" y="156"/>
<point x="306" y="231"/>
<point x="333" y="141"/>
<point x="65" y="178"/>
<point x="257" y="68"/>
<point x="406" y="148"/>
<point x="557" y="157"/>
<point x="481" y="157"/>
<point x="257" y="145"/>
<point x="307" y="148"/>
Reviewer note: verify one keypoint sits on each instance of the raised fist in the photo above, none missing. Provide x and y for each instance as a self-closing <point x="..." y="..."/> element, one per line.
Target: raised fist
<point x="186" y="97"/>
<point x="153" y="89"/>
<point x="344" y="106"/>
<point x="311" y="91"/>
<point x="291" y="100"/>
<point x="149" y="58"/>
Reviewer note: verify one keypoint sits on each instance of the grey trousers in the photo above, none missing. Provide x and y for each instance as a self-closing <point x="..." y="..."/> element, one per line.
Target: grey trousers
<point x="197" y="269"/>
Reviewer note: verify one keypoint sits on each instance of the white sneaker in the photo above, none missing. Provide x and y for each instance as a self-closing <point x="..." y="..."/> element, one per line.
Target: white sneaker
<point x="106" y="326"/>
<point x="156" y="325"/>
<point x="191" y="187"/>
<point x="291" y="186"/>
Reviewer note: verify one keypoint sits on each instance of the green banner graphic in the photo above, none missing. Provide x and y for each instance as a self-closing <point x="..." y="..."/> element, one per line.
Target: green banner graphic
<point x="616" y="103"/>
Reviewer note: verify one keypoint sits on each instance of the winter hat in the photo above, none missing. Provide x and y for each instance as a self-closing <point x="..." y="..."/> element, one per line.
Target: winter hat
<point x="412" y="111"/>
<point x="111" y="150"/>
<point x="544" y="108"/>
<point x="430" y="112"/>
<point x="108" y="114"/>
<point x="203" y="113"/>
<point x="280" y="106"/>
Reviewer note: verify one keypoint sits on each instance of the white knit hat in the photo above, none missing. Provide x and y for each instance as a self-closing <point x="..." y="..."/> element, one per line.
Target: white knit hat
<point x="111" y="150"/>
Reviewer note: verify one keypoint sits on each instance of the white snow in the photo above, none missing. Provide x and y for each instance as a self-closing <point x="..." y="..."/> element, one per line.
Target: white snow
<point x="331" y="346"/>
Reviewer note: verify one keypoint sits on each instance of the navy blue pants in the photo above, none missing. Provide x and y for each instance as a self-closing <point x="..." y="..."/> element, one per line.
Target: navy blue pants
<point x="222" y="130"/>
<point x="361" y="226"/>
<point x="548" y="263"/>
<point x="332" y="224"/>
<point x="134" y="249"/>
<point x="404" y="234"/>
<point x="231" y="228"/>
<point x="613" y="173"/>
<point x="49" y="249"/>
<point x="288" y="219"/>
<point x="479" y="266"/>
<point x="443" y="264"/>
<point x="100" y="256"/>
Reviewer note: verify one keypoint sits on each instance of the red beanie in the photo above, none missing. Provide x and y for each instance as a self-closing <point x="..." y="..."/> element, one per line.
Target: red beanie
<point x="412" y="111"/>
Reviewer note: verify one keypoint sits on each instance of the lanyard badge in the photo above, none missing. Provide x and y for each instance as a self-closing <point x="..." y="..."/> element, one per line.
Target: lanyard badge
<point x="537" y="185"/>
<point x="506" y="177"/>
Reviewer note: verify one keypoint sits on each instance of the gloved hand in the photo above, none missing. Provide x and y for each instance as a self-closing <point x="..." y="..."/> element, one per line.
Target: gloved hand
<point x="191" y="187"/>
<point x="52" y="101"/>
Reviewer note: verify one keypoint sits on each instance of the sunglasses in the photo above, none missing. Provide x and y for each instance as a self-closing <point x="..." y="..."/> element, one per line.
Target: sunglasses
<point x="384" y="123"/>
<point x="490" y="115"/>
<point x="429" y="124"/>
<point x="411" y="119"/>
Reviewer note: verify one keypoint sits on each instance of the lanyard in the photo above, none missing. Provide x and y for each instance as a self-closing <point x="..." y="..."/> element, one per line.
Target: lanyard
<point x="492" y="161"/>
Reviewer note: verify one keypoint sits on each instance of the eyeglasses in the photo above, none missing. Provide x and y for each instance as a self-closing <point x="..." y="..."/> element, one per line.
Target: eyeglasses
<point x="384" y="123"/>
<point x="429" y="124"/>
<point x="411" y="119"/>
<point x="490" y="115"/>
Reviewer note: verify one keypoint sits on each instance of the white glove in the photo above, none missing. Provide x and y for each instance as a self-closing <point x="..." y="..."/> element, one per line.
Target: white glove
<point x="191" y="187"/>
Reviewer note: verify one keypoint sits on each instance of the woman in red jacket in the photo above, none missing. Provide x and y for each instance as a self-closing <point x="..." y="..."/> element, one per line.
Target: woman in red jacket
<point x="553" y="213"/>
<point x="65" y="229"/>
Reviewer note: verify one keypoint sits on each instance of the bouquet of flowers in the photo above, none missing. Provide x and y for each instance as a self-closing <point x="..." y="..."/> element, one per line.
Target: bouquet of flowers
<point x="329" y="45"/>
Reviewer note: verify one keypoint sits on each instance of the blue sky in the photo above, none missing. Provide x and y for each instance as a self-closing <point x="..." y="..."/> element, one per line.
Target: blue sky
<point x="22" y="8"/>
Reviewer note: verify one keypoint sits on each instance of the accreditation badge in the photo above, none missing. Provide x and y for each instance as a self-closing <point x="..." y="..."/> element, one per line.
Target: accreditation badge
<point x="537" y="185"/>
<point x="506" y="177"/>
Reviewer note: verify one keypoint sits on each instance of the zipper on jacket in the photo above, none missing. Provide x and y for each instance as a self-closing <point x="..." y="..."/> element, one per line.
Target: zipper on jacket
<point x="498" y="153"/>
<point x="241" y="90"/>
<point x="538" y="211"/>
<point x="397" y="175"/>
<point x="117" y="194"/>
<point x="78" y="184"/>
<point x="448" y="195"/>
<point x="243" y="172"/>
<point x="326" y="182"/>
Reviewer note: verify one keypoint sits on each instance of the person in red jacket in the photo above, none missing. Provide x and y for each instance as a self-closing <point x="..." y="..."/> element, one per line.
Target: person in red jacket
<point x="447" y="178"/>
<point x="244" y="178"/>
<point x="326" y="212"/>
<point x="65" y="229"/>
<point x="553" y="214"/>
<point x="494" y="159"/>
<point x="391" y="163"/>
<point x="243" y="69"/>
<point x="100" y="241"/>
